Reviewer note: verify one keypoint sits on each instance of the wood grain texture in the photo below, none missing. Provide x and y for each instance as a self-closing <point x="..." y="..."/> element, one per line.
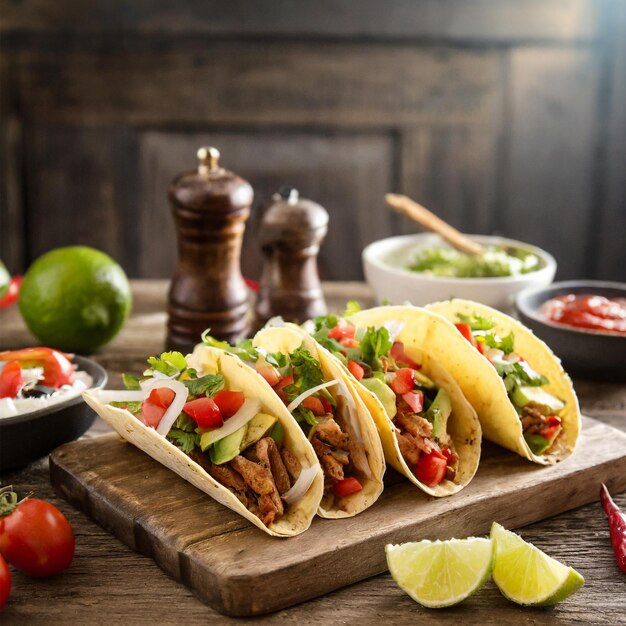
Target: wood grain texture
<point x="109" y="582"/>
<point x="552" y="20"/>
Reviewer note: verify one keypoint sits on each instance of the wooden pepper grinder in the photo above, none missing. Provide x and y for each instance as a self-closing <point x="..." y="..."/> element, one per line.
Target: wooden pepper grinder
<point x="210" y="207"/>
<point x="291" y="232"/>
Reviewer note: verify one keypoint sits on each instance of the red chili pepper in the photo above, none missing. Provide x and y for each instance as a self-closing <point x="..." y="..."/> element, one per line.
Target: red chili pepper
<point x="617" y="526"/>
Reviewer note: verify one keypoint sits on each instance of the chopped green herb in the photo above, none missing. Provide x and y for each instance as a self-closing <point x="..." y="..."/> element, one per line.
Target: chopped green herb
<point x="352" y="307"/>
<point x="134" y="406"/>
<point x="207" y="385"/>
<point x="169" y="363"/>
<point x="476" y="321"/>
<point x="131" y="382"/>
<point x="375" y="344"/>
<point x="184" y="440"/>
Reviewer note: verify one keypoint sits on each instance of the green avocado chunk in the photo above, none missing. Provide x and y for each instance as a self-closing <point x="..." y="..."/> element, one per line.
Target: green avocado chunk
<point x="258" y="426"/>
<point x="537" y="443"/>
<point x="384" y="393"/>
<point x="546" y="402"/>
<point x="439" y="412"/>
<point x="228" y="448"/>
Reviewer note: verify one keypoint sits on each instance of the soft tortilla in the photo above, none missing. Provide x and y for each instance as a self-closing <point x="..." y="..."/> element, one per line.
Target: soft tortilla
<point x="485" y="389"/>
<point x="285" y="340"/>
<point x="238" y="377"/>
<point x="421" y="343"/>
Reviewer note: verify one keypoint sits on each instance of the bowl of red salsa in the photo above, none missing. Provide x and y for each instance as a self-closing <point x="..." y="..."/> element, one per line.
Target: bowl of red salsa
<point x="584" y="322"/>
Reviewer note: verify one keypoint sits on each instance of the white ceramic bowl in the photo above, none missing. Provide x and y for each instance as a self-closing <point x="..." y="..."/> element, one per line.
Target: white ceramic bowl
<point x="383" y="261"/>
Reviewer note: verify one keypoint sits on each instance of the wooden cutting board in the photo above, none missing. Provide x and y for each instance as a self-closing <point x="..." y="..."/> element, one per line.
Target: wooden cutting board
<point x="239" y="570"/>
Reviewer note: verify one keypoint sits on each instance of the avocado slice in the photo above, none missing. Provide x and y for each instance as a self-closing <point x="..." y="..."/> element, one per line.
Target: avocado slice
<point x="546" y="402"/>
<point x="384" y="393"/>
<point x="228" y="448"/>
<point x="439" y="412"/>
<point x="258" y="426"/>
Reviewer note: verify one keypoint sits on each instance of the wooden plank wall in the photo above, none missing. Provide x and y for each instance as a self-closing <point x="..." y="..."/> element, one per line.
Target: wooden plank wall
<point x="503" y="117"/>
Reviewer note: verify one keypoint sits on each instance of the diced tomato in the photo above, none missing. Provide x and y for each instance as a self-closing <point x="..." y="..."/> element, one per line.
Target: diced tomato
<point x="356" y="370"/>
<point x="466" y="331"/>
<point x="204" y="412"/>
<point x="328" y="407"/>
<point x="10" y="297"/>
<point x="57" y="367"/>
<point x="11" y="380"/>
<point x="415" y="399"/>
<point x="285" y="381"/>
<point x="347" y="487"/>
<point x="404" y="381"/>
<point x="349" y="342"/>
<point x="228" y="402"/>
<point x="400" y="356"/>
<point x="431" y="468"/>
<point x="554" y="424"/>
<point x="342" y="330"/>
<point x="154" y="406"/>
<point x="269" y="372"/>
<point x="314" y="405"/>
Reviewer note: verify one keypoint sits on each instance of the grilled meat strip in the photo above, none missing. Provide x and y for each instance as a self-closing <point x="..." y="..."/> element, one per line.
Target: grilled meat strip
<point x="269" y="458"/>
<point x="333" y="468"/>
<point x="292" y="464"/>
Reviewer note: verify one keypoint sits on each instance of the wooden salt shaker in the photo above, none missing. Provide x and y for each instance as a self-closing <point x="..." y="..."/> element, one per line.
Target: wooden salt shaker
<point x="210" y="207"/>
<point x="291" y="232"/>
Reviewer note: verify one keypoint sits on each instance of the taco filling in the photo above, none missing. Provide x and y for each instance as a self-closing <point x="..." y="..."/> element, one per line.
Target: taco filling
<point x="323" y="408"/>
<point x="221" y="430"/>
<point x="418" y="408"/>
<point x="540" y="412"/>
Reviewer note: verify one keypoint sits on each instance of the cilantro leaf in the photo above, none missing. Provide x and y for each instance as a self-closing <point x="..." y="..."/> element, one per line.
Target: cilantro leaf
<point x="134" y="406"/>
<point x="207" y="385"/>
<point x="476" y="321"/>
<point x="131" y="382"/>
<point x="325" y="321"/>
<point x="243" y="349"/>
<point x="375" y="344"/>
<point x="352" y="307"/>
<point x="495" y="341"/>
<point x="169" y="363"/>
<point x="184" y="440"/>
<point x="304" y="415"/>
<point x="307" y="369"/>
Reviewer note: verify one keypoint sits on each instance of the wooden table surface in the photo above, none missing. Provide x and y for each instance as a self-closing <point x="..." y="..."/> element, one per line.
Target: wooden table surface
<point x="109" y="583"/>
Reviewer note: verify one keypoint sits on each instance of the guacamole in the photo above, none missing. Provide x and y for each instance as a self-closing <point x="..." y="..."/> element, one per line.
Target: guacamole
<point x="494" y="261"/>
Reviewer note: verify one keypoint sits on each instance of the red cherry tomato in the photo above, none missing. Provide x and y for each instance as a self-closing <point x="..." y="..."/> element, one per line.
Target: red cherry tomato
<point x="10" y="297"/>
<point x="480" y="346"/>
<point x="466" y="331"/>
<point x="431" y="468"/>
<point x="343" y="330"/>
<point x="415" y="399"/>
<point x="314" y="405"/>
<point x="349" y="342"/>
<point x="228" y="402"/>
<point x="356" y="370"/>
<point x="554" y="425"/>
<point x="5" y="582"/>
<point x="35" y="537"/>
<point x="400" y="356"/>
<point x="204" y="412"/>
<point x="285" y="381"/>
<point x="404" y="381"/>
<point x="11" y="380"/>
<point x="57" y="368"/>
<point x="154" y="406"/>
<point x="328" y="407"/>
<point x="347" y="487"/>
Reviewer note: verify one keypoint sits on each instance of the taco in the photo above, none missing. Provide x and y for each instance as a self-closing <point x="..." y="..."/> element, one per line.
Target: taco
<point x="328" y="409"/>
<point x="429" y="431"/>
<point x="225" y="432"/>
<point x="524" y="399"/>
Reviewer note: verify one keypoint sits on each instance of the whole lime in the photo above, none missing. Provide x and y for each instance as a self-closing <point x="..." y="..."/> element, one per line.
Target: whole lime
<point x="5" y="280"/>
<point x="75" y="298"/>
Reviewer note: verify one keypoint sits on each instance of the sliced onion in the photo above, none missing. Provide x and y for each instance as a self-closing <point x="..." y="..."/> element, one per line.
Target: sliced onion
<point x="275" y="322"/>
<point x="301" y="486"/>
<point x="394" y="327"/>
<point x="175" y="408"/>
<point x="354" y="422"/>
<point x="248" y="410"/>
<point x="294" y="404"/>
<point x="120" y="395"/>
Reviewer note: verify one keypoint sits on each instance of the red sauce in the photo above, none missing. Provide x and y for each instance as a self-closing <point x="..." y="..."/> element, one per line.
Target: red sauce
<point x="588" y="311"/>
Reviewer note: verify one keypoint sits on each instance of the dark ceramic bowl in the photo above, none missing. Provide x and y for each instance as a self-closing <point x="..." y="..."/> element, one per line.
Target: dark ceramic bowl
<point x="24" y="438"/>
<point x="585" y="353"/>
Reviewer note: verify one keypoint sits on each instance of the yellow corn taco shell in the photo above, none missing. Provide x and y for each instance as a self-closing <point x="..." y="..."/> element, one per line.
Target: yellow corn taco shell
<point x="484" y="388"/>
<point x="297" y="518"/>
<point x="421" y="342"/>
<point x="286" y="339"/>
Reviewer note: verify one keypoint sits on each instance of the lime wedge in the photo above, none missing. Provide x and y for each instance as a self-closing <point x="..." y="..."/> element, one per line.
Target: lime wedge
<point x="524" y="574"/>
<point x="440" y="573"/>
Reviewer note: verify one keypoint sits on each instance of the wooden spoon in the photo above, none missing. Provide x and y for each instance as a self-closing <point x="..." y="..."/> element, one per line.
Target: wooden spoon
<point x="421" y="215"/>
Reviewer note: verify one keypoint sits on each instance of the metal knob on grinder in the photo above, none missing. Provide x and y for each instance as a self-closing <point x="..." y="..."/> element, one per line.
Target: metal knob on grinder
<point x="291" y="233"/>
<point x="210" y="207"/>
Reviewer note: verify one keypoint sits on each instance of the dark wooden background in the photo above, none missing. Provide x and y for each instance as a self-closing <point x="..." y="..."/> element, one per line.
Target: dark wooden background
<point x="504" y="116"/>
